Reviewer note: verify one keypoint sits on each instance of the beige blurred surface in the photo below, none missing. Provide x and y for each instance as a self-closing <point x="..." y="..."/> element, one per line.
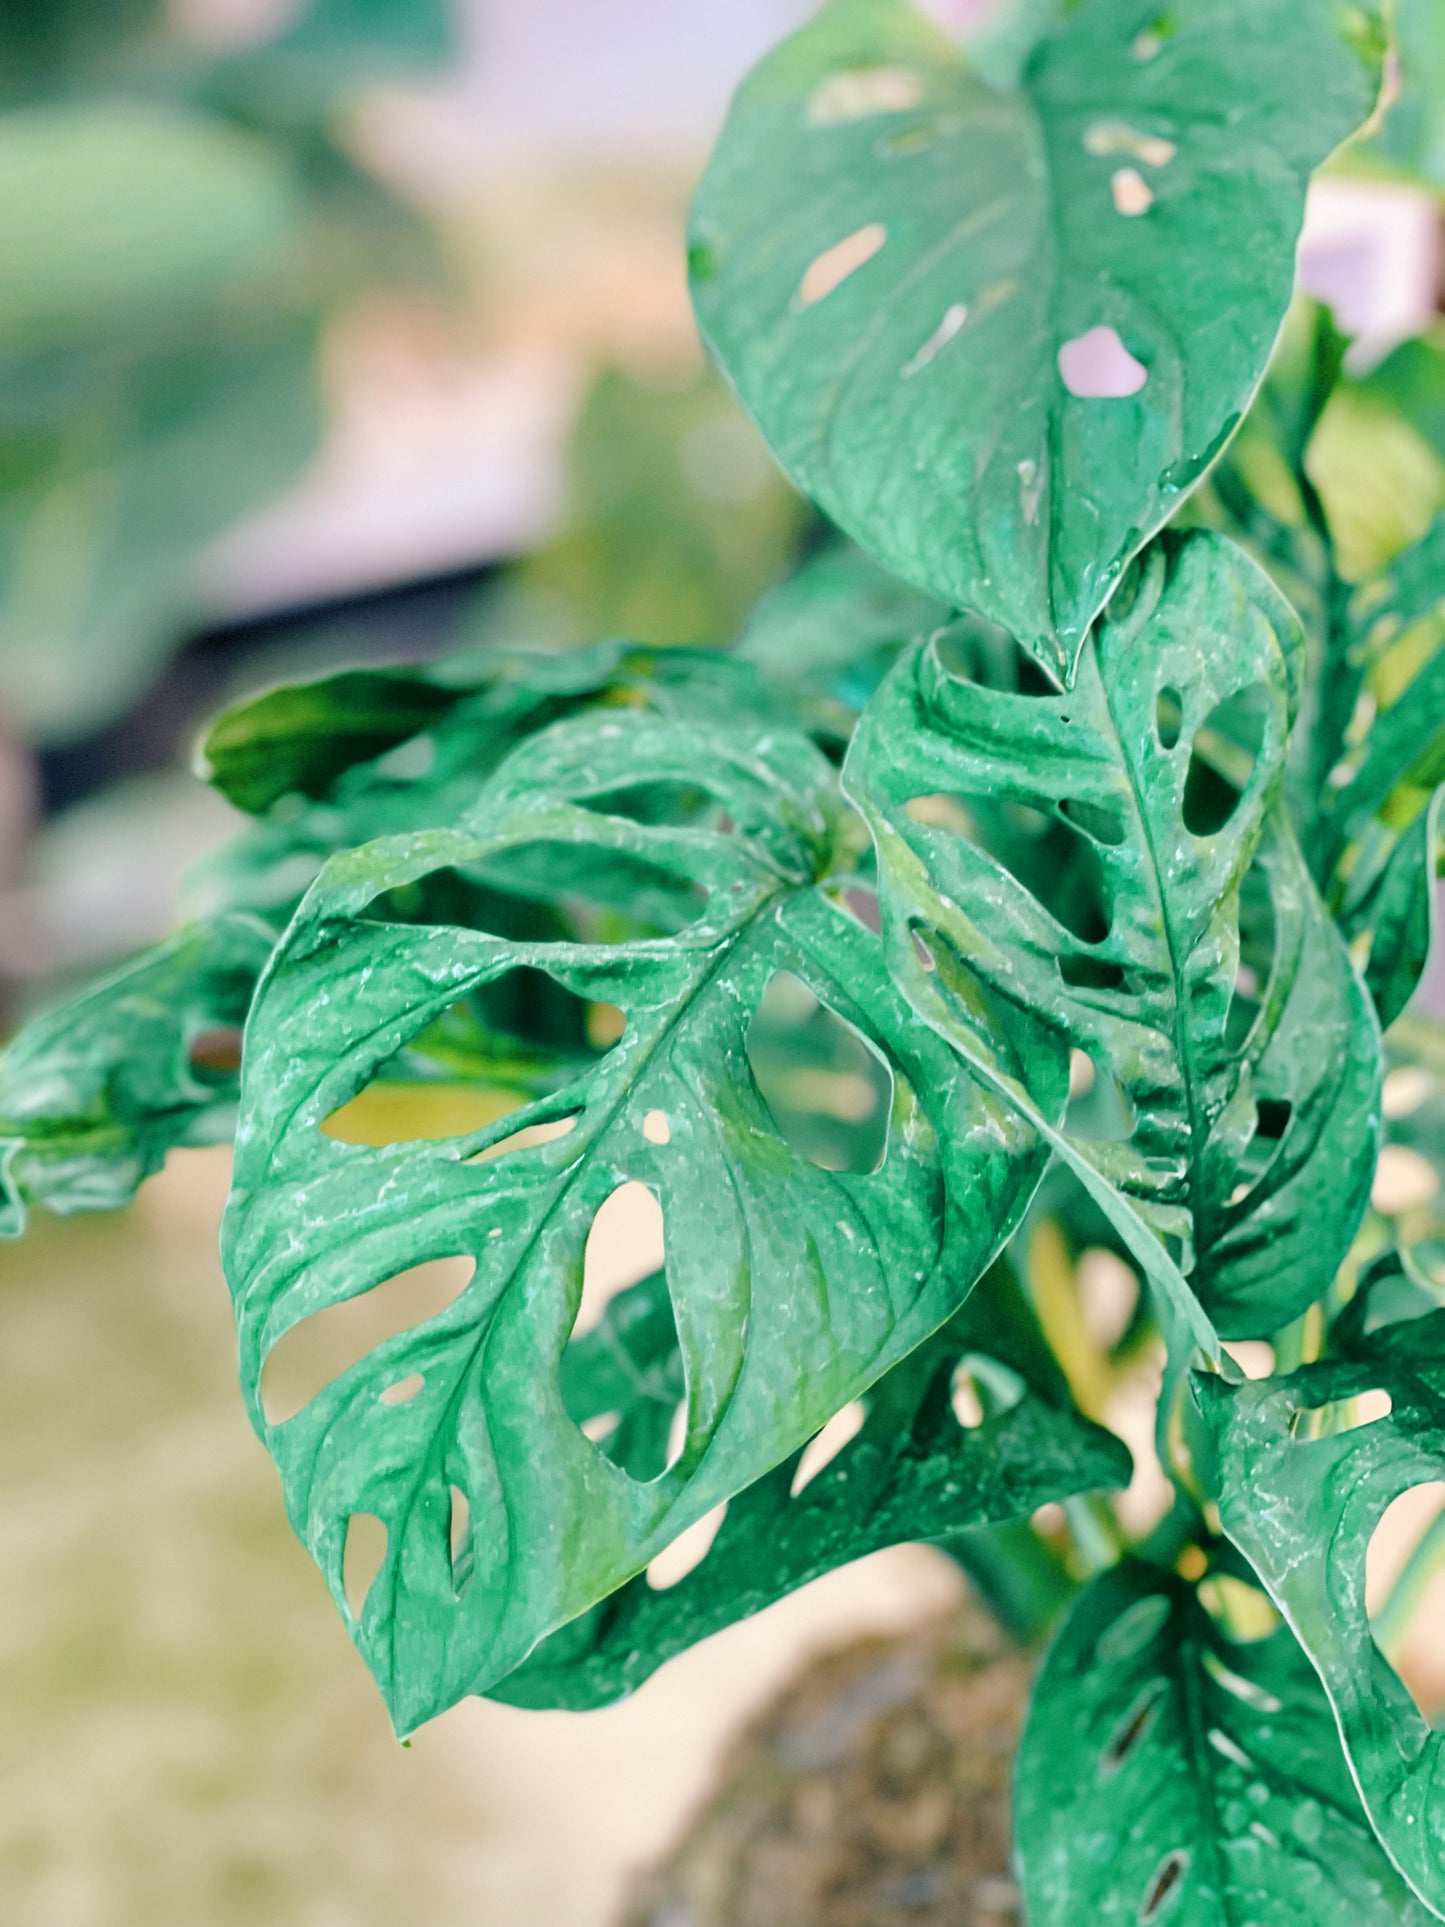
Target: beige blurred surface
<point x="190" y="1740"/>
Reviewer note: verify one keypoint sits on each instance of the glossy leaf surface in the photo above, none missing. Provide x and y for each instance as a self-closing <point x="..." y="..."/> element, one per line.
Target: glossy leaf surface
<point x="93" y="1094"/>
<point x="793" y="1287"/>
<point x="914" y="1471"/>
<point x="1171" y="1773"/>
<point x="985" y="331"/>
<point x="1118" y="861"/>
<point x="1304" y="1477"/>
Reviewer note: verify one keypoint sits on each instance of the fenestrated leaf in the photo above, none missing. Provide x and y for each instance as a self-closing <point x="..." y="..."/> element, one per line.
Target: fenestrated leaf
<point x="1303" y="1481"/>
<point x="918" y="284"/>
<point x="913" y="1471"/>
<point x="94" y="1093"/>
<point x="1110" y="859"/>
<point x="793" y="1287"/>
<point x="1171" y="1773"/>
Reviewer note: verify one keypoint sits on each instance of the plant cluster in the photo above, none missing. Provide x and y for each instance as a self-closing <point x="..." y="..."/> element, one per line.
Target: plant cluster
<point x="1033" y="891"/>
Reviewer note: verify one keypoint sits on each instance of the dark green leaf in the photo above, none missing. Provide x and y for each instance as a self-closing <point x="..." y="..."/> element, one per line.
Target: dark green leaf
<point x="890" y="259"/>
<point x="913" y="1471"/>
<point x="1119" y="861"/>
<point x="1392" y="901"/>
<point x="1171" y="1773"/>
<point x="301" y="737"/>
<point x="94" y="1094"/>
<point x="1303" y="1481"/>
<point x="793" y="1287"/>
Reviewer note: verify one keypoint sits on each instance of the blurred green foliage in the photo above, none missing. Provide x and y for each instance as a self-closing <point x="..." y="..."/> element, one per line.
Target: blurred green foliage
<point x="176" y="224"/>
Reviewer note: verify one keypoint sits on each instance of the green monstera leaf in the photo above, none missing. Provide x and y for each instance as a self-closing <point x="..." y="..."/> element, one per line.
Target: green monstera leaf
<point x="986" y="331"/>
<point x="1171" y="1773"/>
<point x="1119" y="859"/>
<point x="976" y="1426"/>
<point x="93" y="1094"/>
<point x="1305" y="1472"/>
<point x="695" y="865"/>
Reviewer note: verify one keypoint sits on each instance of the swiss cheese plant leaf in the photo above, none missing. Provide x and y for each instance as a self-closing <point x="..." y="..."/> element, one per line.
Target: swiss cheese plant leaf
<point x="693" y="864"/>
<point x="93" y="1094"/>
<point x="1305" y="1472"/>
<point x="983" y="330"/>
<point x="1171" y="1773"/>
<point x="975" y="1426"/>
<point x="1119" y="860"/>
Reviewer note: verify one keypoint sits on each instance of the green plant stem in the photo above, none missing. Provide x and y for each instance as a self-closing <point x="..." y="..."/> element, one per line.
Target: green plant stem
<point x="1021" y="1579"/>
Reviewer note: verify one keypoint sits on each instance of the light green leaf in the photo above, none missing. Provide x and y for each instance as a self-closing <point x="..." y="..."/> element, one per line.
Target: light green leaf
<point x="913" y="1471"/>
<point x="1171" y="1773"/>
<point x="911" y="278"/>
<point x="110" y="214"/>
<point x="1114" y="859"/>
<point x="94" y="1094"/>
<point x="111" y="487"/>
<point x="1303" y="1480"/>
<point x="793" y="1287"/>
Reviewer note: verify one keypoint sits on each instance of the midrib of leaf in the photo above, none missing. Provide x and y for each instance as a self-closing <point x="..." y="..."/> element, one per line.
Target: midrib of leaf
<point x="1179" y="1028"/>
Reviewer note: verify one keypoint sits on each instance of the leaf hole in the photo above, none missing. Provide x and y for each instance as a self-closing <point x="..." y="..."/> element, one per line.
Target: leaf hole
<point x="1168" y="716"/>
<point x="1106" y="137"/>
<point x="1096" y="366"/>
<point x="1405" y="1592"/>
<point x="1258" y="941"/>
<point x="1247" y="1691"/>
<point x="954" y="321"/>
<point x="404" y="1390"/>
<point x="1223" y="759"/>
<point x="459" y="1536"/>
<point x="1091" y="973"/>
<point x="1254" y="1356"/>
<point x="321" y="1348"/>
<point x="975" y="650"/>
<point x="528" y="1138"/>
<point x="656" y="1128"/>
<point x="687" y="1551"/>
<point x="858" y="93"/>
<point x="1165" y="1885"/>
<point x="825" y="1087"/>
<point x="981" y="1389"/>
<point x="1338" y="1415"/>
<point x="508" y="1037"/>
<point x="1058" y="864"/>
<point x="363" y="1554"/>
<point x="833" y="267"/>
<point x="1138" y="1626"/>
<point x="662" y="805"/>
<point x="1132" y="194"/>
<point x="552" y="891"/>
<point x="1102" y="821"/>
<point x="1244" y="1613"/>
<point x="627" y="1241"/>
<point x="622" y="1383"/>
<point x="824" y="1446"/>
<point x="214" y="1055"/>
<point x="861" y="904"/>
<point x="1133" y="1729"/>
<point x="1100" y="1111"/>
